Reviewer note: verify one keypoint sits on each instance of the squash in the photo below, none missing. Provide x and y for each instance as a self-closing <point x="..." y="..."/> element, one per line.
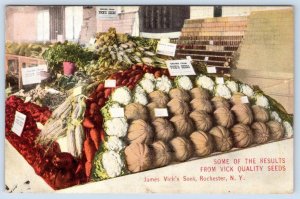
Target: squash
<point x="183" y="125"/>
<point x="203" y="143"/>
<point x="138" y="157"/>
<point x="179" y="93"/>
<point x="159" y="97"/>
<point x="163" y="129"/>
<point x="243" y="113"/>
<point x="199" y="104"/>
<point x="182" y="149"/>
<point x="162" y="154"/>
<point x="260" y="114"/>
<point x="202" y="120"/>
<point x="276" y="130"/>
<point x="222" y="138"/>
<point x="135" y="111"/>
<point x="260" y="132"/>
<point x="224" y="117"/>
<point x="177" y="106"/>
<point x="200" y="93"/>
<point x="140" y="131"/>
<point x="219" y="101"/>
<point x="242" y="135"/>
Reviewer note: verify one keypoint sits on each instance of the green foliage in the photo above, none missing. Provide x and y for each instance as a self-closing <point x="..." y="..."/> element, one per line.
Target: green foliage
<point x="67" y="51"/>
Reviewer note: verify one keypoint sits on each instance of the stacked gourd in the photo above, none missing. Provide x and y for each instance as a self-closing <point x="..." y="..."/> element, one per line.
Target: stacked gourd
<point x="203" y="117"/>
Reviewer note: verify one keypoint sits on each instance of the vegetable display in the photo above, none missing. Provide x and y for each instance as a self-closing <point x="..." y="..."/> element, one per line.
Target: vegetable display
<point x="79" y="129"/>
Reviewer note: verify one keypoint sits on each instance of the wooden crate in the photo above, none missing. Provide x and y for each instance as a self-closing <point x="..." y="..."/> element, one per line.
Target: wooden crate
<point x="14" y="64"/>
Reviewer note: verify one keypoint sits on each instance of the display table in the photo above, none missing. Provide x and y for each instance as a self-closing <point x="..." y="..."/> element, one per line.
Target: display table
<point x="195" y="176"/>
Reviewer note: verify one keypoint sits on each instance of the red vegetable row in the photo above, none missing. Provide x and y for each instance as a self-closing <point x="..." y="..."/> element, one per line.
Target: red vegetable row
<point x="59" y="170"/>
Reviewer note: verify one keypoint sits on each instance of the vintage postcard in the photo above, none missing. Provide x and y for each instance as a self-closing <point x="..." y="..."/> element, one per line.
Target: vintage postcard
<point x="149" y="99"/>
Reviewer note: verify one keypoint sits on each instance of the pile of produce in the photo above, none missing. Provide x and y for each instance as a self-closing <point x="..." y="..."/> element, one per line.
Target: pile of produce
<point x="146" y="121"/>
<point x="58" y="169"/>
<point x="120" y="51"/>
<point x="203" y="117"/>
<point x="26" y="49"/>
<point x="45" y="97"/>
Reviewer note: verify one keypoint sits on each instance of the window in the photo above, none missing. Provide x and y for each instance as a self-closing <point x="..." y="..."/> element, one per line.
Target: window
<point x="162" y="19"/>
<point x="43" y="25"/>
<point x="217" y="11"/>
<point x="73" y="22"/>
<point x="56" y="21"/>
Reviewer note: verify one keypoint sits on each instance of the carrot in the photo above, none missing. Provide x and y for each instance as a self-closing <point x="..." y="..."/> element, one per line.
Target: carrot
<point x="107" y="92"/>
<point x="102" y="135"/>
<point x="100" y="94"/>
<point x="88" y="168"/>
<point x="93" y="107"/>
<point x="138" y="77"/>
<point x="87" y="123"/>
<point x="100" y="87"/>
<point x="89" y="149"/>
<point x="101" y="102"/>
<point x="95" y="136"/>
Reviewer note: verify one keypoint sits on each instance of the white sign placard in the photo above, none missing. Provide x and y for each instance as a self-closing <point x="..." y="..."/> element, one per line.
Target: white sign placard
<point x="161" y="112"/>
<point x="32" y="75"/>
<point x="19" y="123"/>
<point x="180" y="67"/>
<point x="110" y="83"/>
<point x="77" y="91"/>
<point x="220" y="80"/>
<point x="205" y="58"/>
<point x="164" y="48"/>
<point x="106" y="12"/>
<point x="244" y="100"/>
<point x="211" y="69"/>
<point x="116" y="112"/>
<point x="189" y="58"/>
<point x="211" y="42"/>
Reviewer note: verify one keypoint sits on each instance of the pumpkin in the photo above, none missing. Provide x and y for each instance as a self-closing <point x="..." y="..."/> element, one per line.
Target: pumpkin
<point x="260" y="114"/>
<point x="276" y="130"/>
<point x="199" y="104"/>
<point x="179" y="93"/>
<point x="182" y="149"/>
<point x="183" y="125"/>
<point x="140" y="131"/>
<point x="203" y="143"/>
<point x="199" y="92"/>
<point x="177" y="106"/>
<point x="222" y="138"/>
<point x="135" y="111"/>
<point x="138" y="157"/>
<point x="202" y="120"/>
<point x="159" y="97"/>
<point x="162" y="154"/>
<point x="243" y="113"/>
<point x="224" y="117"/>
<point x="260" y="132"/>
<point x="219" y="101"/>
<point x="242" y="135"/>
<point x="163" y="129"/>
